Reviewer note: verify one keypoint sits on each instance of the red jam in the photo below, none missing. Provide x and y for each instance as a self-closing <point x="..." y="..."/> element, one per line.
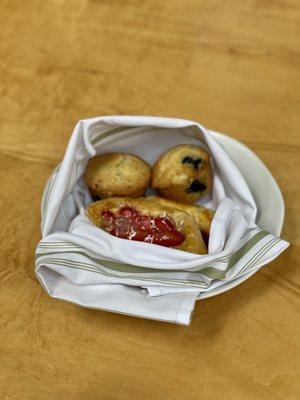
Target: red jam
<point x="129" y="224"/>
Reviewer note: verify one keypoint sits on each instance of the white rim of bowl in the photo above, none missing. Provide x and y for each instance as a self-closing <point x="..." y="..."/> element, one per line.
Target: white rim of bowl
<point x="278" y="228"/>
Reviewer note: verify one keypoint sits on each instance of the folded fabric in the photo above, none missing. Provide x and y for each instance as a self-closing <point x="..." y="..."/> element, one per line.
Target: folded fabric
<point x="78" y="262"/>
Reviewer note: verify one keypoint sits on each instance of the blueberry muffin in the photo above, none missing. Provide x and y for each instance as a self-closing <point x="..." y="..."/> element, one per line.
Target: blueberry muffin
<point x="183" y="173"/>
<point x="117" y="174"/>
<point x="146" y="221"/>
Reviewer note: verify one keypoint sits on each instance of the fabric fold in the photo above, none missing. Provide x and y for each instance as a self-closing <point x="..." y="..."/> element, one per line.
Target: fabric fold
<point x="77" y="262"/>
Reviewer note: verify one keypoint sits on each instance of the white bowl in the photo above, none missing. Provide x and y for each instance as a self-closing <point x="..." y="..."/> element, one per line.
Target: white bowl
<point x="264" y="189"/>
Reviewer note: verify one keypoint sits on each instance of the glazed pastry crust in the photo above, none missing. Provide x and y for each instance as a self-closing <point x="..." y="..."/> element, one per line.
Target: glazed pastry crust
<point x="183" y="222"/>
<point x="203" y="216"/>
<point x="183" y="173"/>
<point x="117" y="174"/>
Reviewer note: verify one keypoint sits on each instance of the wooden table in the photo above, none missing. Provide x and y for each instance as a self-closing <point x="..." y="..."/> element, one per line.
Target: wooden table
<point x="231" y="65"/>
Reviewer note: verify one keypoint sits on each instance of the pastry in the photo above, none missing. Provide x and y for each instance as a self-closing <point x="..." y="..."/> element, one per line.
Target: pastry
<point x="117" y="174"/>
<point x="203" y="216"/>
<point x="183" y="173"/>
<point x="147" y="221"/>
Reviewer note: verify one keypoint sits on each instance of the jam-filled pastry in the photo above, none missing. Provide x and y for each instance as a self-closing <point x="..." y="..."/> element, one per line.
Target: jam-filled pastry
<point x="203" y="216"/>
<point x="183" y="173"/>
<point x="146" y="221"/>
<point x="117" y="174"/>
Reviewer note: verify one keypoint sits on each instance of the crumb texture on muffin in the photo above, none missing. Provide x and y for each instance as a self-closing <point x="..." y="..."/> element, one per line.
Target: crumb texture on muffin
<point x="183" y="173"/>
<point x="117" y="174"/>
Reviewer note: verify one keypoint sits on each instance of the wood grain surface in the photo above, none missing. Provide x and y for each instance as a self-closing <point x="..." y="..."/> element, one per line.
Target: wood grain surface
<point x="232" y="65"/>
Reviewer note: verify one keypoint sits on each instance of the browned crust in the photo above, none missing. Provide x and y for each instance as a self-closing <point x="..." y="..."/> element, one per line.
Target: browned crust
<point x="202" y="215"/>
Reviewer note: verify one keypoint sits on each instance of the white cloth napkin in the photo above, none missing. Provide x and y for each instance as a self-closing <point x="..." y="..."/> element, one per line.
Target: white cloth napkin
<point x="78" y="262"/>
